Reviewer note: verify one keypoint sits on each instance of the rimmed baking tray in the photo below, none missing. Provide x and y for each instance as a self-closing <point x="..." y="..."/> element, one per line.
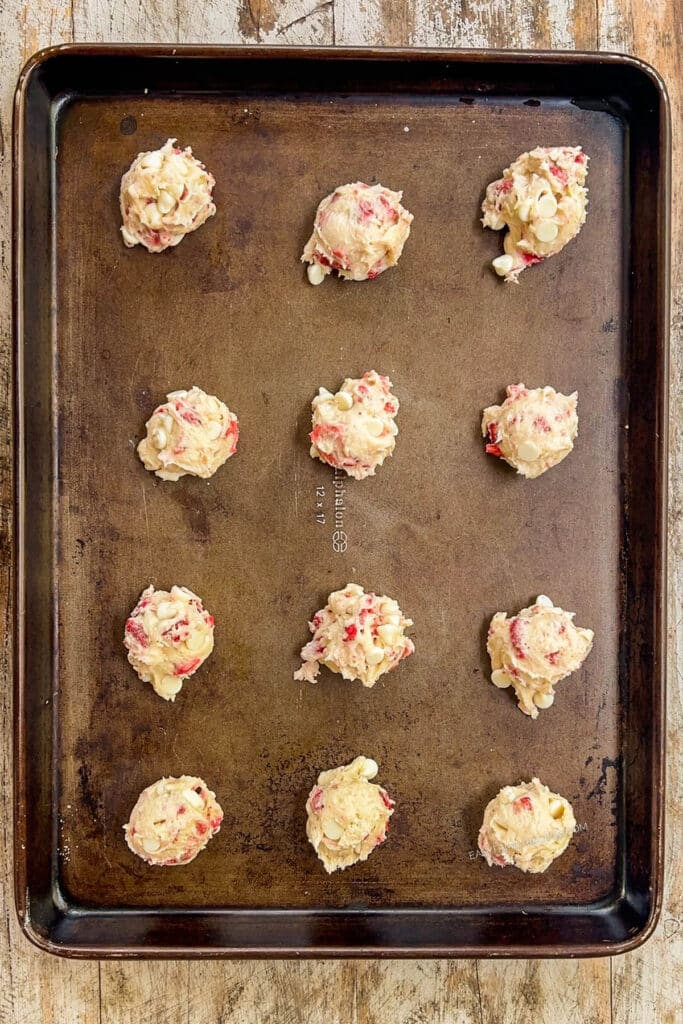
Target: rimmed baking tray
<point x="102" y="333"/>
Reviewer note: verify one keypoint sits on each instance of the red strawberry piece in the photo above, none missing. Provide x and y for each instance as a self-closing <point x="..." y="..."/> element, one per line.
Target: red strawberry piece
<point x="517" y="636"/>
<point x="317" y="799"/>
<point x="552" y="657"/>
<point x="493" y="449"/>
<point x="505" y="186"/>
<point x="136" y="630"/>
<point x="386" y="799"/>
<point x="201" y="828"/>
<point x="187" y="667"/>
<point x="530" y="259"/>
<point x="559" y="173"/>
<point x="493" y="431"/>
<point x="523" y="803"/>
<point x="350" y="632"/>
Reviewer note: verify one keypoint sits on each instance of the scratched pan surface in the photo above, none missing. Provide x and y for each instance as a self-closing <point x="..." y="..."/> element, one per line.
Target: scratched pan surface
<point x="105" y="332"/>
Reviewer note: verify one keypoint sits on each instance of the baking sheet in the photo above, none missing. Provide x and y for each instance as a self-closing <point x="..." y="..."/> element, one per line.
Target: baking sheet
<point x="453" y="535"/>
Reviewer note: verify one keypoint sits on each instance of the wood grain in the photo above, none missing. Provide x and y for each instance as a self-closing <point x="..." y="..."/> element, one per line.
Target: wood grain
<point x="644" y="987"/>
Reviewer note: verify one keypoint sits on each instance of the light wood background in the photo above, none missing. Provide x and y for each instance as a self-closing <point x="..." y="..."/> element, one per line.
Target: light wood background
<point x="644" y="987"/>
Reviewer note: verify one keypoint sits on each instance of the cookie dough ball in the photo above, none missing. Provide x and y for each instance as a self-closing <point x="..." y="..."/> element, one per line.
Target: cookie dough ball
<point x="173" y="821"/>
<point x="359" y="231"/>
<point x="165" y="194"/>
<point x="354" y="430"/>
<point x="532" y="430"/>
<point x="191" y="433"/>
<point x="348" y="816"/>
<point x="527" y="826"/>
<point x="359" y="635"/>
<point x="534" y="650"/>
<point x="541" y="200"/>
<point x="168" y="636"/>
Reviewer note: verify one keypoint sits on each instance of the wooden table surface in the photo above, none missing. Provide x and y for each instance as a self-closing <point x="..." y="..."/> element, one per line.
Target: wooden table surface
<point x="644" y="987"/>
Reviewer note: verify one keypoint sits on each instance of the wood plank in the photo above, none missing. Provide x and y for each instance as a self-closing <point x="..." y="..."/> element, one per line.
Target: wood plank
<point x="559" y="24"/>
<point x="36" y="988"/>
<point x="648" y="983"/>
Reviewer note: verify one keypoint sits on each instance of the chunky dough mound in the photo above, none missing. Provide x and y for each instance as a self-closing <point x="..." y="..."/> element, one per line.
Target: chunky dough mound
<point x="348" y="816"/>
<point x="173" y="821"/>
<point x="532" y="430"/>
<point x="535" y="650"/>
<point x="165" y="194"/>
<point x="191" y="433"/>
<point x="358" y="635"/>
<point x="359" y="231"/>
<point x="354" y="430"/>
<point x="168" y="636"/>
<point x="527" y="826"/>
<point x="541" y="200"/>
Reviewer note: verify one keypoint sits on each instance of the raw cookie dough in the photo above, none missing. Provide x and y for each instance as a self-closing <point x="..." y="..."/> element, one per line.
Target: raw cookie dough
<point x="532" y="430"/>
<point x="168" y="636"/>
<point x="165" y="194"/>
<point x="173" y="821"/>
<point x="348" y="816"/>
<point x="354" y="430"/>
<point x="541" y="200"/>
<point x="527" y="826"/>
<point x="191" y="433"/>
<point x="356" y="634"/>
<point x="534" y="650"/>
<point x="359" y="231"/>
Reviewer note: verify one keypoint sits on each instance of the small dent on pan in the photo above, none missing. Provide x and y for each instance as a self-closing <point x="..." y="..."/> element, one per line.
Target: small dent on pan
<point x="129" y="125"/>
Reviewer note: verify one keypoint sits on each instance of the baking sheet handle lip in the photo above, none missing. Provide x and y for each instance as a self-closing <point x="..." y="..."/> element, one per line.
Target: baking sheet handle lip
<point x="21" y="898"/>
<point x="260" y="52"/>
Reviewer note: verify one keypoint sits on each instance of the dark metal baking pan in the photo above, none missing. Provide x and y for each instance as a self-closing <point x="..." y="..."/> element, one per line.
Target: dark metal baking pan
<point x="102" y="333"/>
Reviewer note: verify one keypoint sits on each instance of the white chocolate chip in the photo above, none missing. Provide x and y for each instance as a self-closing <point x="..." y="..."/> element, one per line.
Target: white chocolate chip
<point x="315" y="273"/>
<point x="556" y="808"/>
<point x="332" y="829"/>
<point x="524" y="210"/>
<point x="166" y="422"/>
<point x="167" y="610"/>
<point x="214" y="429"/>
<point x="544" y="601"/>
<point x="170" y="685"/>
<point x="343" y="400"/>
<point x="195" y="641"/>
<point x="176" y="394"/>
<point x="165" y="202"/>
<point x="128" y="238"/>
<point x="528" y="451"/>
<point x="500" y="678"/>
<point x="389" y="634"/>
<point x="313" y="451"/>
<point x="192" y="798"/>
<point x="150" y="844"/>
<point x="544" y="700"/>
<point x="546" y="230"/>
<point x="370" y="768"/>
<point x="374" y="656"/>
<point x="546" y="205"/>
<point x="503" y="264"/>
<point x="151" y="216"/>
<point x="159" y="438"/>
<point x="152" y="162"/>
<point x="374" y="426"/>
